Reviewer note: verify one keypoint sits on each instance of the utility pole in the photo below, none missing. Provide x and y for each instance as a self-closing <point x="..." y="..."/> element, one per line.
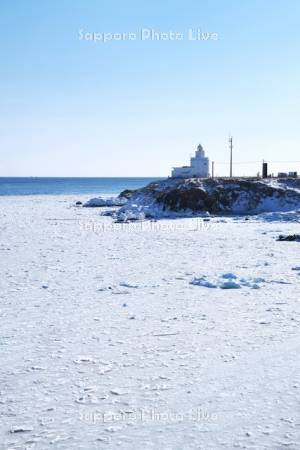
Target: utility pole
<point x="212" y="169"/>
<point x="230" y="146"/>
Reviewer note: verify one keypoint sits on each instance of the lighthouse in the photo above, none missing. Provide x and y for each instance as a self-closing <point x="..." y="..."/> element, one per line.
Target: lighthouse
<point x="198" y="168"/>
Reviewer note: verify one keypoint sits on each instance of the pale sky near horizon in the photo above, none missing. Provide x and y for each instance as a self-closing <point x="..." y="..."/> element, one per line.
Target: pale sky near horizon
<point x="73" y="107"/>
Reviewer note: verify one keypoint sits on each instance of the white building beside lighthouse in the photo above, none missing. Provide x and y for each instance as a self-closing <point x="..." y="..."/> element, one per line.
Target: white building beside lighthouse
<point x="199" y="166"/>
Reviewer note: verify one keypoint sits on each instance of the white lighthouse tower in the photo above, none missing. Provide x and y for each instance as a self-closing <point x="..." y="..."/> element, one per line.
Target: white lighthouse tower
<point x="198" y="168"/>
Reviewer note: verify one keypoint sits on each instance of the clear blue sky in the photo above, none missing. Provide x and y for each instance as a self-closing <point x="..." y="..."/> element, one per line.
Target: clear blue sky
<point x="71" y="107"/>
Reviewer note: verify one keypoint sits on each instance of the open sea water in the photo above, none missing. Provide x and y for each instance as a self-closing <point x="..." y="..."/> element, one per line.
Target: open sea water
<point x="56" y="186"/>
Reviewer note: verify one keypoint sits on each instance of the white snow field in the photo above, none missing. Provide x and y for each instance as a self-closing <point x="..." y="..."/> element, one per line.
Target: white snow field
<point x="177" y="334"/>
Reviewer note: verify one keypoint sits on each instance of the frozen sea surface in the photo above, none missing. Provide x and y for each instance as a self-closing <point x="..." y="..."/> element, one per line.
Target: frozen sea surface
<point x="106" y="342"/>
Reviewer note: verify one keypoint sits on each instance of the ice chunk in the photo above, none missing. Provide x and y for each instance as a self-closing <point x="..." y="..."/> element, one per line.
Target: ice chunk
<point x="102" y="202"/>
<point x="228" y="281"/>
<point x="230" y="284"/>
<point x="203" y="282"/>
<point x="131" y="214"/>
<point x="229" y="276"/>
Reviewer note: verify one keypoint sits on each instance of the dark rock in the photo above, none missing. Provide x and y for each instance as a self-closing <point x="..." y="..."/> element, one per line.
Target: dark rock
<point x="127" y="193"/>
<point x="195" y="199"/>
<point x="78" y="203"/>
<point x="289" y="237"/>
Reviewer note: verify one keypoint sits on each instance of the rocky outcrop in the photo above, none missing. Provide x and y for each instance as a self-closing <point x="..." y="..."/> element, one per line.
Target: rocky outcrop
<point x="194" y="196"/>
<point x="127" y="193"/>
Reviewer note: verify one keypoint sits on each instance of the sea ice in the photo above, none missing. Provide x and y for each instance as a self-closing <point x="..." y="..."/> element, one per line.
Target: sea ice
<point x="64" y="349"/>
<point x="232" y="282"/>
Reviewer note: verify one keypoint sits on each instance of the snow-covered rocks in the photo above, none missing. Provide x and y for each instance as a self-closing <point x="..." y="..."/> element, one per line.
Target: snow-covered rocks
<point x="99" y="202"/>
<point x="134" y="213"/>
<point x="174" y="198"/>
<point x="228" y="281"/>
<point x="195" y="196"/>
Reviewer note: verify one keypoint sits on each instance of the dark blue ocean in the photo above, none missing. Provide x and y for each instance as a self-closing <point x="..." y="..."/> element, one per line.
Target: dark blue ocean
<point x="55" y="186"/>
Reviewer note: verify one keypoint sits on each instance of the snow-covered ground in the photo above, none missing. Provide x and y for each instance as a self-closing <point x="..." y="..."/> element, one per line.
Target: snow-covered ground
<point x="122" y="336"/>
